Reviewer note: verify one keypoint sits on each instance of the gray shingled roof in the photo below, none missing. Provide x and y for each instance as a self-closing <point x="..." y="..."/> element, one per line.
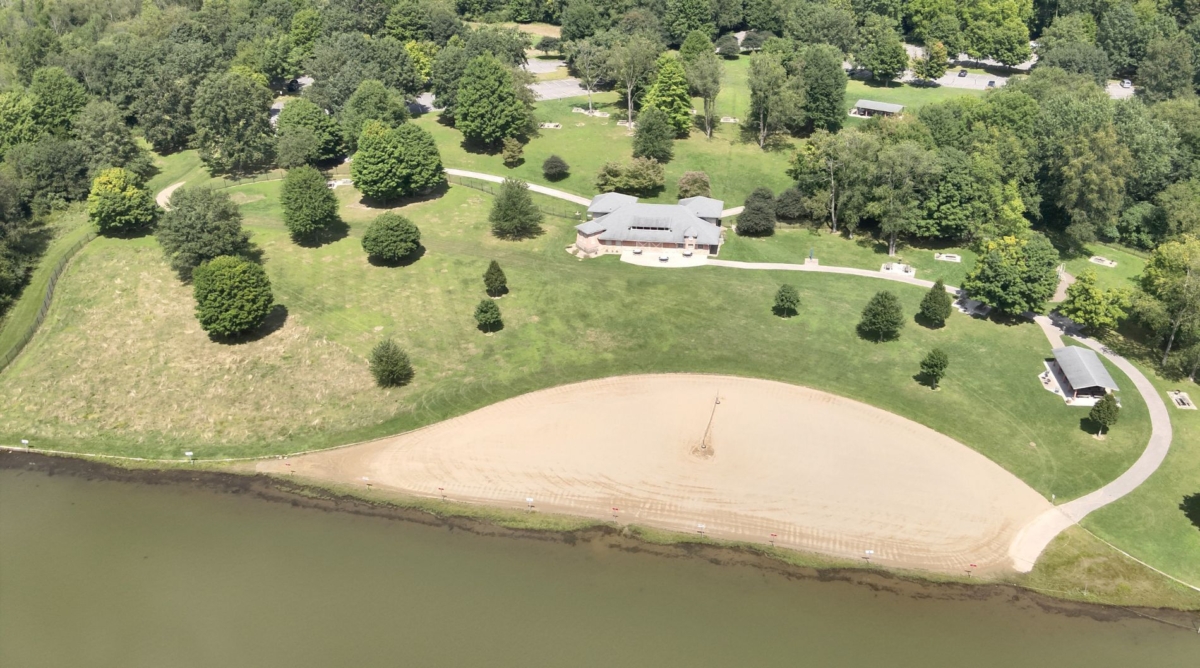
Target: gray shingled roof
<point x="653" y="223"/>
<point x="705" y="207"/>
<point x="1083" y="368"/>
<point x="886" y="107"/>
<point x="609" y="202"/>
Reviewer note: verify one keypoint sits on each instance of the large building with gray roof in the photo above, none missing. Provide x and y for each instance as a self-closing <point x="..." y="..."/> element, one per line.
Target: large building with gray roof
<point x="620" y="223"/>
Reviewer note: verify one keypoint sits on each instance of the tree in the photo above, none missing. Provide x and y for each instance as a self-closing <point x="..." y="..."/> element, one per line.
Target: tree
<point x="488" y="109"/>
<point x="757" y="218"/>
<point x="34" y="48"/>
<point x="933" y="64"/>
<point x="106" y="141"/>
<point x="694" y="184"/>
<point x="1092" y="306"/>
<point x="590" y="62"/>
<point x="310" y="208"/>
<point x="1093" y="170"/>
<point x="1119" y="33"/>
<point x="371" y="101"/>
<point x="444" y="75"/>
<point x="1168" y="69"/>
<point x="18" y="125"/>
<point x="773" y="104"/>
<point x="630" y="62"/>
<point x="395" y="162"/>
<point x="1079" y="58"/>
<point x="555" y="168"/>
<point x="823" y="82"/>
<point x="391" y="238"/>
<point x="1172" y="280"/>
<point x="704" y="75"/>
<point x="514" y="215"/>
<point x="1105" y="413"/>
<point x="233" y="296"/>
<point x="51" y="171"/>
<point x="728" y="46"/>
<point x="232" y="119"/>
<point x="787" y="301"/>
<point x="933" y="367"/>
<point x="512" y="152"/>
<point x="1180" y="204"/>
<point x="201" y="225"/>
<point x="828" y="168"/>
<point x="695" y="45"/>
<point x="654" y="136"/>
<point x="390" y="365"/>
<point x="684" y="16"/>
<point x="118" y="205"/>
<point x="548" y="44"/>
<point x="669" y="94"/>
<point x="902" y="175"/>
<point x="580" y="20"/>
<point x="882" y="318"/>
<point x="641" y="176"/>
<point x="342" y="61"/>
<point x="1014" y="274"/>
<point x="494" y="281"/>
<point x="937" y="305"/>
<point x="487" y="316"/>
<point x="880" y="49"/>
<point x="57" y="98"/>
<point x="326" y="133"/>
<point x="791" y="205"/>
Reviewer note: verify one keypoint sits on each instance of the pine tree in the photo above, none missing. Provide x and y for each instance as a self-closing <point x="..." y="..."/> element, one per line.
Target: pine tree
<point x="514" y="215"/>
<point x="512" y="152"/>
<point x="390" y="365"/>
<point x="670" y="95"/>
<point x="1105" y="412"/>
<point x="883" y="318"/>
<point x="787" y="301"/>
<point x="933" y="367"/>
<point x="494" y="280"/>
<point x="487" y="316"/>
<point x="936" y="305"/>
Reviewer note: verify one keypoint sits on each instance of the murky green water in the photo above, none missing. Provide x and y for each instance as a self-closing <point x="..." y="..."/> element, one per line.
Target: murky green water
<point x="105" y="574"/>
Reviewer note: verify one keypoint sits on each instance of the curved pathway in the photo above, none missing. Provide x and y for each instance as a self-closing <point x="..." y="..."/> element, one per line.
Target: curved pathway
<point x="1033" y="538"/>
<point x="552" y="192"/>
<point x="163" y="198"/>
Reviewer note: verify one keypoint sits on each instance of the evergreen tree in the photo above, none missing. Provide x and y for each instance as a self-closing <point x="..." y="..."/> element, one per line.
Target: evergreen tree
<point x="514" y="215"/>
<point x="487" y="107"/>
<point x="390" y="365"/>
<point x="487" y="316"/>
<point x="727" y="46"/>
<point x="391" y="238"/>
<point x="937" y="304"/>
<point x="696" y="45"/>
<point x="654" y="137"/>
<point x="119" y="205"/>
<point x="512" y="152"/>
<point x="933" y="367"/>
<point x="670" y="95"/>
<point x="233" y="296"/>
<point x="555" y="168"/>
<point x="494" y="280"/>
<point x="791" y="205"/>
<point x="201" y="225"/>
<point x="787" y="301"/>
<point x="304" y="114"/>
<point x="684" y="16"/>
<point x="1105" y="412"/>
<point x="310" y="208"/>
<point x="882" y="318"/>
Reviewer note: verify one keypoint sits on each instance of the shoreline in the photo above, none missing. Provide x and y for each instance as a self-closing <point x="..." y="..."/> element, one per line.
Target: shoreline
<point x="501" y="523"/>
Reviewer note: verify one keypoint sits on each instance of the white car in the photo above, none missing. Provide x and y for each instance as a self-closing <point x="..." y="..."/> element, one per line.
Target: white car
<point x="1126" y="83"/>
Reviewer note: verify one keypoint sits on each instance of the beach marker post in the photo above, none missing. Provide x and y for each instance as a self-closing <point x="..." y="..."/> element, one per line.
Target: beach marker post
<point x="191" y="456"/>
<point x="868" y="555"/>
<point x="443" y="492"/>
<point x="773" y="537"/>
<point x="615" y="510"/>
<point x="368" y="481"/>
<point x="972" y="568"/>
<point x="529" y="502"/>
<point x="700" y="529"/>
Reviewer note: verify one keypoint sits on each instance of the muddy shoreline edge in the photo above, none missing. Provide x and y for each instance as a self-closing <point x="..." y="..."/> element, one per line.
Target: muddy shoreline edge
<point x="314" y="497"/>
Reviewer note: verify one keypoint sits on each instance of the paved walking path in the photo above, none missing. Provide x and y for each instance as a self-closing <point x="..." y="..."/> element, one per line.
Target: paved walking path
<point x="164" y="196"/>
<point x="552" y="192"/>
<point x="1033" y="538"/>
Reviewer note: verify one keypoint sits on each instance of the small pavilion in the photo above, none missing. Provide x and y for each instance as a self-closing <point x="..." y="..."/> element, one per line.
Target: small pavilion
<point x="869" y="108"/>
<point x="1085" y="375"/>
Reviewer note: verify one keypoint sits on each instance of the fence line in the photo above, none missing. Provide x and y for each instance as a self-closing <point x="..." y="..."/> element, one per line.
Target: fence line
<point x="494" y="189"/>
<point x="46" y="299"/>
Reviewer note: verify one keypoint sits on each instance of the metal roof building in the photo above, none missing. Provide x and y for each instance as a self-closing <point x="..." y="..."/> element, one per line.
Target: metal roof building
<point x="654" y="224"/>
<point x="606" y="203"/>
<point x="873" y="108"/>
<point x="704" y="207"/>
<point x="1084" y="370"/>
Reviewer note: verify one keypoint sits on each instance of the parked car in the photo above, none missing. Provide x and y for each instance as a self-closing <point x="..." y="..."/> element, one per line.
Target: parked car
<point x="991" y="84"/>
<point x="962" y="73"/>
<point x="293" y="85"/>
<point x="1126" y="83"/>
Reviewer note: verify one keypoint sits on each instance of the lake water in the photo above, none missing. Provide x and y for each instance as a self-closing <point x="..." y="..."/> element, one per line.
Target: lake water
<point x="100" y="574"/>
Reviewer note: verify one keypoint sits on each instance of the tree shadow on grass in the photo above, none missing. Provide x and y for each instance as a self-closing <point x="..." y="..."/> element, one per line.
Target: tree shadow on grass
<point x="402" y="262"/>
<point x="480" y="148"/>
<point x="1089" y="426"/>
<point x="274" y="322"/>
<point x="921" y="320"/>
<point x="335" y="231"/>
<point x="491" y="329"/>
<point x="922" y="379"/>
<point x="1191" y="508"/>
<point x="431" y="194"/>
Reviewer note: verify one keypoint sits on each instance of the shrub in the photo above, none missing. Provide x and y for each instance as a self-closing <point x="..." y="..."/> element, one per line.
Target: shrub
<point x="727" y="46"/>
<point x="390" y="365"/>
<point x="548" y="44"/>
<point x="512" y="152"/>
<point x="694" y="184"/>
<point x="391" y="238"/>
<point x="787" y="301"/>
<point x="233" y="295"/>
<point x="487" y="316"/>
<point x="641" y="176"/>
<point x="936" y="305"/>
<point x="1105" y="412"/>
<point x="118" y="205"/>
<point x="654" y="137"/>
<point x="933" y="367"/>
<point x="791" y="205"/>
<point x="514" y="215"/>
<point x="757" y="219"/>
<point x="202" y="224"/>
<point x="555" y="168"/>
<point x="309" y="206"/>
<point x="882" y="318"/>
<point x="494" y="280"/>
<point x="754" y="40"/>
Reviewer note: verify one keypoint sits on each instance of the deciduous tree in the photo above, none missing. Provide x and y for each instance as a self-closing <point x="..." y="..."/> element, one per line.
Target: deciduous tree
<point x="937" y="305"/>
<point x="882" y="318"/>
<point x="395" y="162"/>
<point x="1172" y="280"/>
<point x="310" y="208"/>
<point x="118" y="204"/>
<point x="654" y="136"/>
<point x="391" y="238"/>
<point x="704" y="74"/>
<point x="880" y="49"/>
<point x="304" y="114"/>
<point x="371" y="101"/>
<point x="232" y="119"/>
<point x="1092" y="306"/>
<point x="694" y="184"/>
<point x="787" y="301"/>
<point x="487" y="107"/>
<point x="233" y="296"/>
<point x="57" y="97"/>
<point x="1105" y="413"/>
<point x="773" y="104"/>
<point x="630" y="62"/>
<point x="933" y="367"/>
<point x="201" y="225"/>
<point x="555" y="168"/>
<point x="757" y="218"/>
<point x="1014" y="274"/>
<point x="823" y="82"/>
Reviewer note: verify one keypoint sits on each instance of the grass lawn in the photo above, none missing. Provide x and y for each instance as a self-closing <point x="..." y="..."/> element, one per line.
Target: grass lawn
<point x="912" y="97"/>
<point x="1124" y="275"/>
